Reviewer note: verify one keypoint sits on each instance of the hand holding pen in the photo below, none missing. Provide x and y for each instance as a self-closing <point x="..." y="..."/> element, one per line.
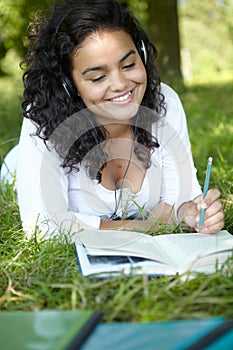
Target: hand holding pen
<point x="211" y="217"/>
<point x="204" y="213"/>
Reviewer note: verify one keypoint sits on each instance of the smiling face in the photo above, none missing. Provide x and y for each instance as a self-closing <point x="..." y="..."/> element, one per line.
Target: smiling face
<point x="110" y="76"/>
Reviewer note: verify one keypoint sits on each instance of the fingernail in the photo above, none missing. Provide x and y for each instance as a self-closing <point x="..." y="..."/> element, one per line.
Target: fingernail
<point x="198" y="218"/>
<point x="204" y="205"/>
<point x="205" y="229"/>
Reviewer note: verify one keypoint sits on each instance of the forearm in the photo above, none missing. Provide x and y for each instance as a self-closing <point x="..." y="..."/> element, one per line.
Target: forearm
<point x="162" y="213"/>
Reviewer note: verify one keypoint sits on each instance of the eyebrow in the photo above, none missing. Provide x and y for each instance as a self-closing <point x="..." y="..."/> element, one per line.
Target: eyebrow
<point x="93" y="69"/>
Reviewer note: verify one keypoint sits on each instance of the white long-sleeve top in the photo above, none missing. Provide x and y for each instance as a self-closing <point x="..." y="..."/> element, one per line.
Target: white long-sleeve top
<point x="54" y="199"/>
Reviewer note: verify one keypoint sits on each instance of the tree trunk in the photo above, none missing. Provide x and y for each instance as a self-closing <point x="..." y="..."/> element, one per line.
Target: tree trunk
<point x="164" y="33"/>
<point x="3" y="52"/>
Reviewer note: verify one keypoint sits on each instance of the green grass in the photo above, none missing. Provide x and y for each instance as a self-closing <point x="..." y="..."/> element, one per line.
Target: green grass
<point x="36" y="275"/>
<point x="10" y="112"/>
<point x="44" y="275"/>
<point x="209" y="112"/>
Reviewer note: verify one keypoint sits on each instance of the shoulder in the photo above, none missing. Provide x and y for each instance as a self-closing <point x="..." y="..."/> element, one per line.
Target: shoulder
<point x="31" y="144"/>
<point x="175" y="114"/>
<point x="170" y="95"/>
<point x="174" y="120"/>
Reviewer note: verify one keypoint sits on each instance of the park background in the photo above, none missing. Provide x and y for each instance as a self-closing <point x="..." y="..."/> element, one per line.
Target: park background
<point x="195" y="44"/>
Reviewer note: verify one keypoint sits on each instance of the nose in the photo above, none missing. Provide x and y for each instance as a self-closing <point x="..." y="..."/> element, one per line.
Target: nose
<point x="118" y="81"/>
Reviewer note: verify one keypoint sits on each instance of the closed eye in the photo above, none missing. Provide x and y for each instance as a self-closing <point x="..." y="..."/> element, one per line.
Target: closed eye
<point x="128" y="66"/>
<point x="98" y="79"/>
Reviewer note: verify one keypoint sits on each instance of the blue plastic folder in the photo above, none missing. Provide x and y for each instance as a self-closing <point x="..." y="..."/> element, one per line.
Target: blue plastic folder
<point x="208" y="334"/>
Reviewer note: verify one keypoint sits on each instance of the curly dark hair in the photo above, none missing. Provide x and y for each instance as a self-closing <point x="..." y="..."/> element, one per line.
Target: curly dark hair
<point x="49" y="65"/>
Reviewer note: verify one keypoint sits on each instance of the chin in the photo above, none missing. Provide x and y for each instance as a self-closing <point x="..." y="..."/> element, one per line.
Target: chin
<point x="114" y="113"/>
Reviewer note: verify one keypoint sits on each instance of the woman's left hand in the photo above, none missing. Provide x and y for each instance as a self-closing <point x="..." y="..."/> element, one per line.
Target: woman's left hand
<point x="214" y="216"/>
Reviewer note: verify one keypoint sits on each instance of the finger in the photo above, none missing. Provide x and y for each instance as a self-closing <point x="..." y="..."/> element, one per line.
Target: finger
<point x="198" y="199"/>
<point x="213" y="224"/>
<point x="218" y="217"/>
<point x="212" y="195"/>
<point x="213" y="209"/>
<point x="213" y="228"/>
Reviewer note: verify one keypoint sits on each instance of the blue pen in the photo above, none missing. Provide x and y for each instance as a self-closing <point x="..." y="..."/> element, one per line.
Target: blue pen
<point x="206" y="187"/>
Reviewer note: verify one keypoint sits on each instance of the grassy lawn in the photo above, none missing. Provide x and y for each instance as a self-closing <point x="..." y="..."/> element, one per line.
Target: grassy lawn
<point x="36" y="275"/>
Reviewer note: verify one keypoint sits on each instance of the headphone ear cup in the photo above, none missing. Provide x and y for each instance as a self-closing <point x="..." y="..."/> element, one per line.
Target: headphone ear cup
<point x="142" y="51"/>
<point x="69" y="88"/>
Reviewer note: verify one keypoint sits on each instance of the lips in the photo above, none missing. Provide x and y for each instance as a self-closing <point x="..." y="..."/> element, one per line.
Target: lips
<point x="123" y="98"/>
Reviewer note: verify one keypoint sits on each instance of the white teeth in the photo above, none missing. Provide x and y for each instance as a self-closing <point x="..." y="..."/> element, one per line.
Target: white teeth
<point x="122" y="98"/>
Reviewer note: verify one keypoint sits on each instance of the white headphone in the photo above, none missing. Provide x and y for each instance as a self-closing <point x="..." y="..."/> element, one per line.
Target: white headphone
<point x="143" y="51"/>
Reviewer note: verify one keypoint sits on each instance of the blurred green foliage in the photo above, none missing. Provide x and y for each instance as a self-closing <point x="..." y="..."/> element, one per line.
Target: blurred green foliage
<point x="15" y="16"/>
<point x="206" y="31"/>
<point x="140" y="10"/>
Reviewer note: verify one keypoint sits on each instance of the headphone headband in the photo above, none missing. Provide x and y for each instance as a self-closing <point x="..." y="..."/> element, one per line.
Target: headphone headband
<point x="61" y="19"/>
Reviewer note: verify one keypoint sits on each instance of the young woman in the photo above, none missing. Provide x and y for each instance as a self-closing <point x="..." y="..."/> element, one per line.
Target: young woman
<point x="104" y="144"/>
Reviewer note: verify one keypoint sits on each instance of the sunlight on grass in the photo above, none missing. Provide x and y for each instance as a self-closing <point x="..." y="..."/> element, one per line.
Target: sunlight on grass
<point x="221" y="77"/>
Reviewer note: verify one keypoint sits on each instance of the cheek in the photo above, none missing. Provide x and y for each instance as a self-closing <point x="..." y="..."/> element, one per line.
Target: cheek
<point x="90" y="92"/>
<point x="143" y="77"/>
<point x="139" y="76"/>
<point x="86" y="90"/>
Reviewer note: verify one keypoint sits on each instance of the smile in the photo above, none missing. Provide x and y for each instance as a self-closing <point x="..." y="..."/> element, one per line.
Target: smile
<point x="122" y="98"/>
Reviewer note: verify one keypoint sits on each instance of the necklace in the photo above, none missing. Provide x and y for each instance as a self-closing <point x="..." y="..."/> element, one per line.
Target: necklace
<point x="114" y="216"/>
